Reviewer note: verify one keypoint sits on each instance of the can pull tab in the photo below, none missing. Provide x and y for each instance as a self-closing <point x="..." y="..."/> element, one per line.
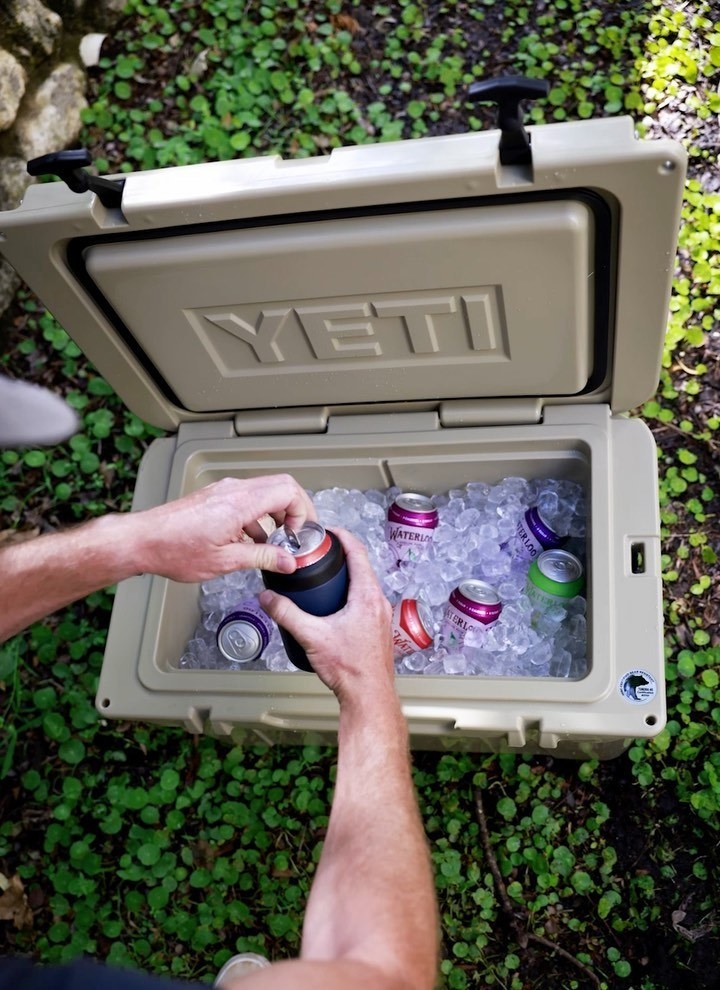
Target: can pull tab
<point x="69" y="165"/>
<point x="286" y="538"/>
<point x="508" y="92"/>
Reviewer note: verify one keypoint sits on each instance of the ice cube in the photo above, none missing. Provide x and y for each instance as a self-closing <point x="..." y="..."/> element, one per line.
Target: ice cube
<point x="211" y="620"/>
<point x="415" y="663"/>
<point x="454" y="663"/>
<point x="480" y="662"/>
<point x="540" y="653"/>
<point x="561" y="663"/>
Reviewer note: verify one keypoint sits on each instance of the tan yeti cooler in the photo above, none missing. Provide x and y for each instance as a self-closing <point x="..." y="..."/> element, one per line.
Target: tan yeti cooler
<point x="418" y="314"/>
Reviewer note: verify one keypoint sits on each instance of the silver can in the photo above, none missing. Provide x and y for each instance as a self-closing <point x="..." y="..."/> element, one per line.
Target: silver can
<point x="244" y="633"/>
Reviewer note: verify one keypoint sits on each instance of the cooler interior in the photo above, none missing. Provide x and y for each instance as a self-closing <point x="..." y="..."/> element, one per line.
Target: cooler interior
<point x="430" y="471"/>
<point x="612" y="458"/>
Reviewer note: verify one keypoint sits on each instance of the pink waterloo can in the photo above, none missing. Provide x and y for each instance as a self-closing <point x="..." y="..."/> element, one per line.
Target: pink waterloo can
<point x="411" y="523"/>
<point x="472" y="605"/>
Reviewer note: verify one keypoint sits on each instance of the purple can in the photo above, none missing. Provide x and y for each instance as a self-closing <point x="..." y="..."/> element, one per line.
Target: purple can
<point x="411" y="523"/>
<point x="244" y="632"/>
<point x="472" y="605"/>
<point x="533" y="536"/>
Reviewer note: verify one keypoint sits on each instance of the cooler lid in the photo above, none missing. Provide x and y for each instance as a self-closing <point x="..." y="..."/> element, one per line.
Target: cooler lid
<point x="421" y="270"/>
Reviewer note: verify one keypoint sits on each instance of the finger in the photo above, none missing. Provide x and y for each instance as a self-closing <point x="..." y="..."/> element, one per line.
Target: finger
<point x="257" y="531"/>
<point x="302" y="625"/>
<point x="278" y="496"/>
<point x="360" y="569"/>
<point x="263" y="556"/>
<point x="364" y="590"/>
<point x="299" y="511"/>
<point x="290" y="504"/>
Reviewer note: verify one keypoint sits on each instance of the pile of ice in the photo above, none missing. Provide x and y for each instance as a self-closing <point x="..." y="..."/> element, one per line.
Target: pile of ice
<point x="473" y="539"/>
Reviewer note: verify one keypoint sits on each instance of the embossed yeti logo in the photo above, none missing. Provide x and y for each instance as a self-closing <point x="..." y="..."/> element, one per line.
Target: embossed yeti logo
<point x="414" y="323"/>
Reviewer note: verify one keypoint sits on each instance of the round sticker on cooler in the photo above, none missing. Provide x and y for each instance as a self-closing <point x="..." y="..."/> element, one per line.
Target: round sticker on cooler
<point x="638" y="687"/>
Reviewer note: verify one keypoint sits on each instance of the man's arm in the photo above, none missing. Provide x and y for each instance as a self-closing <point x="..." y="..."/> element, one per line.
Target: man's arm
<point x="371" y="919"/>
<point x="193" y="538"/>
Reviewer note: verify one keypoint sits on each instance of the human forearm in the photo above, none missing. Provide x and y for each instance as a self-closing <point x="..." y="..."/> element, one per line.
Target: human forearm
<point x="42" y="575"/>
<point x="205" y="533"/>
<point x="372" y="909"/>
<point x="373" y="897"/>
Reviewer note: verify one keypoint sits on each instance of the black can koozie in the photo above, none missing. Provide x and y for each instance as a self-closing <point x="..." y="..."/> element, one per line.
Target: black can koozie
<point x="319" y="586"/>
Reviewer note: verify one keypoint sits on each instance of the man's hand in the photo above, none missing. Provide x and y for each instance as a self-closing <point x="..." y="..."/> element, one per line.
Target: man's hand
<point x="352" y="648"/>
<point x="195" y="538"/>
<point x="212" y="531"/>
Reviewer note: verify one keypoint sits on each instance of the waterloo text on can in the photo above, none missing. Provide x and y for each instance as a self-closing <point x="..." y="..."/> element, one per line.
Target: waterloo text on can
<point x="472" y="605"/>
<point x="533" y="535"/>
<point x="411" y="523"/>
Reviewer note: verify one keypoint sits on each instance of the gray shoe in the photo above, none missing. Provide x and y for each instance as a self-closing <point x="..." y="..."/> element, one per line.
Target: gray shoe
<point x="241" y="965"/>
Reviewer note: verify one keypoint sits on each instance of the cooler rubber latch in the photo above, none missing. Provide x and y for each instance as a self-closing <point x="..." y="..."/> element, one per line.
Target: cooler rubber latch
<point x="508" y="92"/>
<point x="69" y="165"/>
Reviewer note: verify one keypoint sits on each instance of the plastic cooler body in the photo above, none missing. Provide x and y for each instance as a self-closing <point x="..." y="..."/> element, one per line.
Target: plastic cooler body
<point x="412" y="313"/>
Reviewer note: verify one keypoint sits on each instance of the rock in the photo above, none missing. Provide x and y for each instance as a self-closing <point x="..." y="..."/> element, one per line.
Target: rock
<point x="89" y="13"/>
<point x="9" y="284"/>
<point x="112" y="10"/>
<point x="50" y="118"/>
<point x="14" y="180"/>
<point x="12" y="88"/>
<point x="32" y="27"/>
<point x="67" y="8"/>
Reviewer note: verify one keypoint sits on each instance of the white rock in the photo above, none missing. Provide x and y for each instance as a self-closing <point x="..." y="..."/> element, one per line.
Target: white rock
<point x="14" y="180"/>
<point x="12" y="88"/>
<point x="50" y="118"/>
<point x="34" y="26"/>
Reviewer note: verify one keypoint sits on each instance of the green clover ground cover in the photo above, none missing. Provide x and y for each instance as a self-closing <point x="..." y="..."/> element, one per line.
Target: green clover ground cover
<point x="148" y="847"/>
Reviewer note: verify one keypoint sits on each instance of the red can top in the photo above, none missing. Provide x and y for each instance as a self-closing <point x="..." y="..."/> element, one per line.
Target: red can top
<point x="308" y="545"/>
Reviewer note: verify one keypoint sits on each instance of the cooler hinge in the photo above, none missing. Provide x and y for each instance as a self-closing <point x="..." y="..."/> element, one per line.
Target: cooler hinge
<point x="324" y="419"/>
<point x="364" y="424"/>
<point x="278" y="422"/>
<point x="490" y="412"/>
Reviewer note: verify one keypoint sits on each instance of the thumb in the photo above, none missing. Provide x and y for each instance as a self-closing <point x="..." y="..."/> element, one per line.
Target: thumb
<point x="263" y="556"/>
<point x="287" y="614"/>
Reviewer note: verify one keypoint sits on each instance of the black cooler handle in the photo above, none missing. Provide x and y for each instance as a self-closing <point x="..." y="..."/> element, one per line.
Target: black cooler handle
<point x="508" y="92"/>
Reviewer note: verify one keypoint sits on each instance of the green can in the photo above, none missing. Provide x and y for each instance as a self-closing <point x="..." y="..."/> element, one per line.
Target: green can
<point x="554" y="577"/>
